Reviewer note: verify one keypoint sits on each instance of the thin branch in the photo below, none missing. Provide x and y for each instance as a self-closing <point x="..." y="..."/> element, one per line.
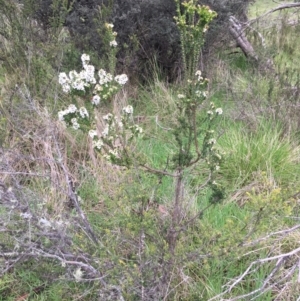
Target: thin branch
<point x="32" y="174"/>
<point x="157" y="123"/>
<point x="281" y="7"/>
<point x="157" y="171"/>
<point x="261" y="290"/>
<point x="283" y="232"/>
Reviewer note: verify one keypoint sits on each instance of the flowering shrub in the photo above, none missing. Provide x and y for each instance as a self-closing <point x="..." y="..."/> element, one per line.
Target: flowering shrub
<point x="192" y="20"/>
<point x="117" y="132"/>
<point x="112" y="142"/>
<point x="195" y="134"/>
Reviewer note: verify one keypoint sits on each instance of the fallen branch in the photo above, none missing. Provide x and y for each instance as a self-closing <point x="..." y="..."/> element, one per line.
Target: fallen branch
<point x="237" y="31"/>
<point x="264" y="287"/>
<point x="281" y="7"/>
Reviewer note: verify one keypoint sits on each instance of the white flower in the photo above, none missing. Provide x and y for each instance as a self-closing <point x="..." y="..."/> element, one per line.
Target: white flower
<point x="210" y="112"/>
<point x="78" y="274"/>
<point x="63" y="78"/>
<point x="211" y="141"/>
<point x="108" y="117"/>
<point x="85" y="58"/>
<point x="121" y="79"/>
<point x="217" y="167"/>
<point x="198" y="73"/>
<point x="26" y="215"/>
<point x="96" y="100"/>
<point x="137" y="129"/>
<point x="109" y="25"/>
<point x="44" y="223"/>
<point x="113" y="43"/>
<point x="78" y="84"/>
<point x="128" y="110"/>
<point x="219" y="111"/>
<point x="101" y="72"/>
<point x="73" y="75"/>
<point x="98" y="88"/>
<point x="61" y="115"/>
<point x="104" y="77"/>
<point x="72" y="108"/>
<point x="64" y="81"/>
<point x="75" y="126"/>
<point x="83" y="112"/>
<point x="181" y="96"/>
<point x="105" y="131"/>
<point x="66" y="88"/>
<point x="97" y="144"/>
<point x="92" y="133"/>
<point x="88" y="74"/>
<point x="113" y="153"/>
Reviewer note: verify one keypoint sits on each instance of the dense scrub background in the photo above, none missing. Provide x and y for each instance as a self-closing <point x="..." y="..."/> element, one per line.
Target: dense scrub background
<point x="146" y="29"/>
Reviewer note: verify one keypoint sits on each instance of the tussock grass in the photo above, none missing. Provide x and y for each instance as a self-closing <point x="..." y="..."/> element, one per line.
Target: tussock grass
<point x="263" y="149"/>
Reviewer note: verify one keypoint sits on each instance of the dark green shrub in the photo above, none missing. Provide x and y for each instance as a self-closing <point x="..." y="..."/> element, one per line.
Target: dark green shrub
<point x="146" y="29"/>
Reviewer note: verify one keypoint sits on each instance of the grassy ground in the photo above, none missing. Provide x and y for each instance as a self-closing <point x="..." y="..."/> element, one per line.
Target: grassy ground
<point x="130" y="210"/>
<point x="260" y="7"/>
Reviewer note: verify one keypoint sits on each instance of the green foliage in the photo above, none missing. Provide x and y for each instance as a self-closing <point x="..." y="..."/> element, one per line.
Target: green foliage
<point x="264" y="149"/>
<point x="192" y="24"/>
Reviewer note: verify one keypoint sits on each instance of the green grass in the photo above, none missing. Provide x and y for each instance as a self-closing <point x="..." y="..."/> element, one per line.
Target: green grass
<point x="261" y="167"/>
<point x="260" y="7"/>
<point x="264" y="149"/>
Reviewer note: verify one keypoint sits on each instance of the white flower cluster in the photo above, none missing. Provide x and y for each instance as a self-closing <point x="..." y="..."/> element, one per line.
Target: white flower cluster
<point x="128" y="110"/>
<point x="92" y="133"/>
<point x="96" y="100"/>
<point x="200" y="93"/>
<point x="78" y="274"/>
<point x="219" y="111"/>
<point x="70" y="110"/>
<point x="198" y="74"/>
<point x="113" y="43"/>
<point x="75" y="124"/>
<point x="71" y="115"/>
<point x="212" y="141"/>
<point x="136" y="130"/>
<point x="104" y="77"/>
<point x="109" y="25"/>
<point x="106" y="86"/>
<point x="78" y="81"/>
<point x="97" y="143"/>
<point x="83" y="112"/>
<point x="114" y="130"/>
<point x="121" y="79"/>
